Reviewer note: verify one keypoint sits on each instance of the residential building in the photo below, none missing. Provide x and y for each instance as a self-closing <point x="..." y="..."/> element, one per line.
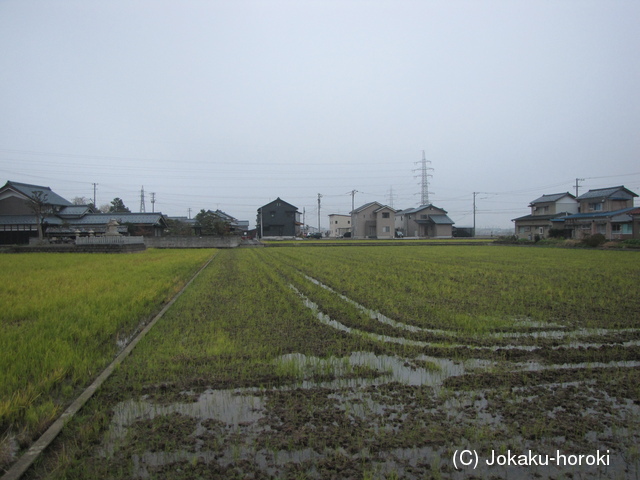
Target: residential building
<point x="60" y="219"/>
<point x="339" y="225"/>
<point x="635" y="222"/>
<point x="373" y="220"/>
<point x="278" y="219"/>
<point x="606" y="211"/>
<point x="425" y="221"/>
<point x="544" y="210"/>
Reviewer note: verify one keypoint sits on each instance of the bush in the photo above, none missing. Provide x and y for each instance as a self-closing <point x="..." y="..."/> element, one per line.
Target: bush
<point x="630" y="243"/>
<point x="594" y="240"/>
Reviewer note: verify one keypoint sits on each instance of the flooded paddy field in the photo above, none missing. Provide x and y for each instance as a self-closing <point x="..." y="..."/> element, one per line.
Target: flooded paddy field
<point x="378" y="363"/>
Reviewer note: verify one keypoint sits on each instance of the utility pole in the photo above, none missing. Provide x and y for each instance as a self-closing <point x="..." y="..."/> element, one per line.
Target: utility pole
<point x="578" y="185"/>
<point x="474" y="213"/>
<point x="153" y="201"/>
<point x="142" y="200"/>
<point x="189" y="213"/>
<point x="94" y="195"/>
<point x="353" y="216"/>
<point x="304" y="214"/>
<point x="319" y="197"/>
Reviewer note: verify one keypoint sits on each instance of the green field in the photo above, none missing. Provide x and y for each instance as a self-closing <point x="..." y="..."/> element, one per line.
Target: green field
<point x="64" y="317"/>
<point x="375" y="362"/>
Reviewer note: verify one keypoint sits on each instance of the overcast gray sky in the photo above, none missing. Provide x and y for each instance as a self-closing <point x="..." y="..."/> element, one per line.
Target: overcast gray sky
<point x="230" y="104"/>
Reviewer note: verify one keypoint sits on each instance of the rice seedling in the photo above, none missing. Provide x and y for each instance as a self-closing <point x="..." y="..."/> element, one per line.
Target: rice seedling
<point x="314" y="400"/>
<point x="63" y="318"/>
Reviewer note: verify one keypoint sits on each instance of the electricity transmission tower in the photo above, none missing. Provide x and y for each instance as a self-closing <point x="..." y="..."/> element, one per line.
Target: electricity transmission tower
<point x="424" y="179"/>
<point x="142" y="200"/>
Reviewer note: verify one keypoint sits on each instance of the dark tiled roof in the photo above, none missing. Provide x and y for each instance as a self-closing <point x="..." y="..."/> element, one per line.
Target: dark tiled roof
<point x="366" y="205"/>
<point x="437" y="219"/>
<point x="28" y="189"/>
<point x="121" y="217"/>
<point x="578" y="216"/>
<point x="74" y="211"/>
<point x="552" y="216"/>
<point x="553" y="197"/>
<point x="279" y="200"/>
<point x="27" y="220"/>
<point x="383" y="207"/>
<point x="614" y="193"/>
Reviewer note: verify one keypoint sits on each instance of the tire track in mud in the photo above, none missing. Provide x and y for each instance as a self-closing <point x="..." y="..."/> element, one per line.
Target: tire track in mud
<point x="402" y="419"/>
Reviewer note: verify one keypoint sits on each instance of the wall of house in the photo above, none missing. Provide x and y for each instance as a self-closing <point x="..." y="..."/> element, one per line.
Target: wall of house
<point x="12" y="205"/>
<point x="363" y="221"/>
<point x="443" y="231"/>
<point x="385" y="227"/>
<point x="278" y="220"/>
<point x="528" y="229"/>
<point x="543" y="208"/>
<point x="607" y="206"/>
<point x="566" y="204"/>
<point x="339" y="225"/>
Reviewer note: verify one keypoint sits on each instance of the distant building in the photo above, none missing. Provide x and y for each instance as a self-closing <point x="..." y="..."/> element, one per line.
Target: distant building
<point x="425" y="221"/>
<point x="62" y="220"/>
<point x="339" y="225"/>
<point x="278" y="219"/>
<point x="544" y="210"/>
<point x="607" y="211"/>
<point x="373" y="220"/>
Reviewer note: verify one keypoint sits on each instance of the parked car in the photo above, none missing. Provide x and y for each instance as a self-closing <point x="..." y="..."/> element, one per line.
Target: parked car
<point x="314" y="235"/>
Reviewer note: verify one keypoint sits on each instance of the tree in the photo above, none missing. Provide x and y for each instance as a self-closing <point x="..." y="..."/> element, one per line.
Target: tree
<point x="81" y="201"/>
<point x="176" y="227"/>
<point x="210" y="224"/>
<point x="117" y="206"/>
<point x="40" y="206"/>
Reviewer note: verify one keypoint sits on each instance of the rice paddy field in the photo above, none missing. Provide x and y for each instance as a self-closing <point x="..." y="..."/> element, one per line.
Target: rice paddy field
<point x="377" y="363"/>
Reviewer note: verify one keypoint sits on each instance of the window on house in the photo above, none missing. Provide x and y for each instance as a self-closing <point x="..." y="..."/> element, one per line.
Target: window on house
<point x="424" y="217"/>
<point x="386" y="229"/>
<point x="348" y="222"/>
<point x="595" y="207"/>
<point x="385" y="214"/>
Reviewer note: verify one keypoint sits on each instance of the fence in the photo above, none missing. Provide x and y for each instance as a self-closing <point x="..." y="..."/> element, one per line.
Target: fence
<point x="110" y="240"/>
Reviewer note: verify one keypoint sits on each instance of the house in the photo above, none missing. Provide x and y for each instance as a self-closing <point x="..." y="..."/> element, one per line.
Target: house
<point x="136" y="224"/>
<point x="18" y="220"/>
<point x="278" y="219"/>
<point x="231" y="224"/>
<point x="236" y="227"/>
<point x="60" y="219"/>
<point x="373" y="220"/>
<point x="635" y="222"/>
<point x="339" y="225"/>
<point x="606" y="211"/>
<point x="425" y="221"/>
<point x="544" y="210"/>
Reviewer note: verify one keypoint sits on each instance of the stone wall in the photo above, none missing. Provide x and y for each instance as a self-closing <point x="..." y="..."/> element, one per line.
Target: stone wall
<point x="192" y="242"/>
<point x="70" y="248"/>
